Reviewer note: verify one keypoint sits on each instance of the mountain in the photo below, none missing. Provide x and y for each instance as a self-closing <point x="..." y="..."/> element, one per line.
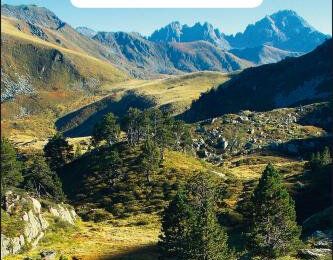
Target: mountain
<point x="144" y="54"/>
<point x="86" y="31"/>
<point x="288" y="83"/>
<point x="175" y="48"/>
<point x="263" y="54"/>
<point x="202" y="55"/>
<point x="171" y="57"/>
<point x="47" y="70"/>
<point x="175" y="32"/>
<point x="285" y="30"/>
<point x="33" y="14"/>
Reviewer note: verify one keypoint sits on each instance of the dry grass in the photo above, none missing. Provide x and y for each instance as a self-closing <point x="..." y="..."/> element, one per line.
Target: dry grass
<point x="175" y="91"/>
<point x="122" y="240"/>
<point x="86" y="64"/>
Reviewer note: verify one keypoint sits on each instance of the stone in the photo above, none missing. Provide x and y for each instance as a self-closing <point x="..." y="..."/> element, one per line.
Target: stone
<point x="222" y="144"/>
<point x="36" y="205"/>
<point x="48" y="255"/>
<point x="314" y="253"/>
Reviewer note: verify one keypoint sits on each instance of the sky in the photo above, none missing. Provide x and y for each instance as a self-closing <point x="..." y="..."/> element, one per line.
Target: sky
<point x="145" y="21"/>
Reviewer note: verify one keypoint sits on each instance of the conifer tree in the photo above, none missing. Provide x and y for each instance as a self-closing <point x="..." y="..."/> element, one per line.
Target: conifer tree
<point x="150" y="159"/>
<point x="11" y="174"/>
<point x="190" y="229"/>
<point x="176" y="224"/>
<point x="58" y="152"/>
<point x="39" y="179"/>
<point x="107" y="130"/>
<point x="273" y="229"/>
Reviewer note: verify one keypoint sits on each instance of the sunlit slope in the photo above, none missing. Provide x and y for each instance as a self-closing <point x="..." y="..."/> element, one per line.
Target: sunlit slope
<point x="42" y="81"/>
<point x="174" y="94"/>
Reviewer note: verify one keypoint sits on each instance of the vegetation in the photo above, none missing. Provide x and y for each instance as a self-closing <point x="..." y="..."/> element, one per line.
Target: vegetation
<point x="39" y="179"/>
<point x="190" y="229"/>
<point x="58" y="152"/>
<point x="11" y="175"/>
<point x="107" y="130"/>
<point x="273" y="228"/>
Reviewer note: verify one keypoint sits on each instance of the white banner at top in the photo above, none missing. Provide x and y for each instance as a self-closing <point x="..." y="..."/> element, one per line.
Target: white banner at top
<point x="166" y="3"/>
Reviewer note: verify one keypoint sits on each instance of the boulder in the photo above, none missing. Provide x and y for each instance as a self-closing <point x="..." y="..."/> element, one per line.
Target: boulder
<point x="48" y="255"/>
<point x="65" y="214"/>
<point x="314" y="253"/>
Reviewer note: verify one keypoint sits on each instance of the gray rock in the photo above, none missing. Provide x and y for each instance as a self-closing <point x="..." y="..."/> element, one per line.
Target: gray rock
<point x="314" y="253"/>
<point x="48" y="255"/>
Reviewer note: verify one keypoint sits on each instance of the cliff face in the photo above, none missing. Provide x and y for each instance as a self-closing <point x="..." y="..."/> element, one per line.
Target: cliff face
<point x="25" y="221"/>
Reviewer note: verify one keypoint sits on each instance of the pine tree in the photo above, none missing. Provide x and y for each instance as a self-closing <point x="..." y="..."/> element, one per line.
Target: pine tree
<point x="208" y="239"/>
<point x="11" y="174"/>
<point x="150" y="159"/>
<point x="39" y="179"/>
<point x="176" y="223"/>
<point x="107" y="130"/>
<point x="274" y="231"/>
<point x="190" y="229"/>
<point x="58" y="152"/>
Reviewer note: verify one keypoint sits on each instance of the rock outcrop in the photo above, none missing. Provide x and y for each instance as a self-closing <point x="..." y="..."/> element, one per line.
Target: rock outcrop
<point x="34" y="223"/>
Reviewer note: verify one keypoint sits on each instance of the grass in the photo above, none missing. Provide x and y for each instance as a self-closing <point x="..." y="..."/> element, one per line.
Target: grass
<point x="86" y="64"/>
<point x="124" y="239"/>
<point x="175" y="92"/>
<point x="60" y="85"/>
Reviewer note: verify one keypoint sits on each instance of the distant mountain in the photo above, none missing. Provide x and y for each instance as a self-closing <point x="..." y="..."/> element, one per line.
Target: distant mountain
<point x="202" y="55"/>
<point x="288" y="83"/>
<point x="285" y="30"/>
<point x="175" y="32"/>
<point x="264" y="54"/>
<point x="86" y="31"/>
<point x="146" y="55"/>
<point x="172" y="57"/>
<point x="175" y="48"/>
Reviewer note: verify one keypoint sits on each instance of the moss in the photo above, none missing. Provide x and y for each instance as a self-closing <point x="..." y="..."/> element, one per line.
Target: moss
<point x="11" y="225"/>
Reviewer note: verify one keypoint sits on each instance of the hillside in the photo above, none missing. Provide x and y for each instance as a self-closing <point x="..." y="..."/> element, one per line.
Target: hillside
<point x="173" y="94"/>
<point x="42" y="80"/>
<point x="264" y="54"/>
<point x="291" y="82"/>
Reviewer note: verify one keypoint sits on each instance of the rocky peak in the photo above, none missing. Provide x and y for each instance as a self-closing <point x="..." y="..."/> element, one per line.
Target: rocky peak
<point x="34" y="15"/>
<point x="175" y="32"/>
<point x="284" y="29"/>
<point x="86" y="31"/>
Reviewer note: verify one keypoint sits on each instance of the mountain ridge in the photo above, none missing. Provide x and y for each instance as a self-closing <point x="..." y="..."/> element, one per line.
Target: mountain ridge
<point x="288" y="83"/>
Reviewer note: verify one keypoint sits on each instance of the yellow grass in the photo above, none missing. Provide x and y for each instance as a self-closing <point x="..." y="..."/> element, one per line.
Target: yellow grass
<point x="86" y="64"/>
<point x="177" y="91"/>
<point x="102" y="241"/>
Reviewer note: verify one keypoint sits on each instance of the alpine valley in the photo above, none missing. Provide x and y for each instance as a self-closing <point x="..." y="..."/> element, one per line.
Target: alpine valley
<point x="185" y="144"/>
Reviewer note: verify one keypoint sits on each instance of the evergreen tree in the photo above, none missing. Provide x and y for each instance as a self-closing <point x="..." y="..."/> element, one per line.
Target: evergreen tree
<point x="131" y="125"/>
<point x="39" y="179"/>
<point x="11" y="174"/>
<point x="182" y="136"/>
<point x="176" y="227"/>
<point x="107" y="130"/>
<point x="208" y="239"/>
<point x="58" y="152"/>
<point x="273" y="229"/>
<point x="150" y="159"/>
<point x="190" y="229"/>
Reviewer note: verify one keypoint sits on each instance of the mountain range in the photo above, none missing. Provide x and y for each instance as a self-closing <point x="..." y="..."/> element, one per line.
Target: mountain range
<point x="288" y="83"/>
<point x="177" y="48"/>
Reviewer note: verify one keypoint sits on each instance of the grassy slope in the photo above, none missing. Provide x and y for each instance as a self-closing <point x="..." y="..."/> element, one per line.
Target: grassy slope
<point x="174" y="93"/>
<point x="56" y="82"/>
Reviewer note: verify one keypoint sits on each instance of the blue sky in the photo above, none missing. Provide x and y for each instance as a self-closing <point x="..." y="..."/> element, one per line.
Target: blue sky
<point x="145" y="21"/>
